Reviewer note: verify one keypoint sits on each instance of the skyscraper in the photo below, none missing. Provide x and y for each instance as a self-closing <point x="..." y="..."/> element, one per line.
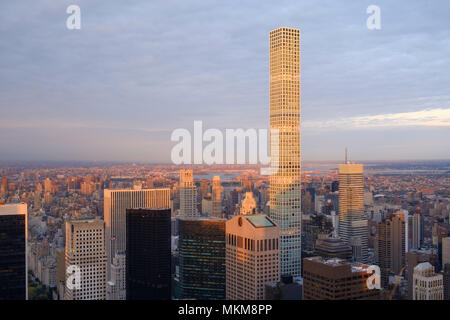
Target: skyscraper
<point x="248" y="205"/>
<point x="285" y="184"/>
<point x="116" y="287"/>
<point x="85" y="250"/>
<point x="4" y="186"/>
<point x="148" y="258"/>
<point x="13" y="252"/>
<point x="201" y="248"/>
<point x="445" y="251"/>
<point x="336" y="279"/>
<point x="413" y="258"/>
<point x="116" y="202"/>
<point x="427" y="284"/>
<point x="446" y="278"/>
<point x="253" y="256"/>
<point x="216" y="197"/>
<point x="353" y="225"/>
<point x="417" y="232"/>
<point x="188" y="195"/>
<point x="329" y="248"/>
<point x="391" y="246"/>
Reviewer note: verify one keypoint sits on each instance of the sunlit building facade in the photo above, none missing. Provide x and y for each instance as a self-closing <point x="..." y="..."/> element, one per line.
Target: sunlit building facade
<point x="336" y="279"/>
<point x="188" y="195"/>
<point x="116" y="202"/>
<point x="252" y="256"/>
<point x="217" y="197"/>
<point x="85" y="250"/>
<point x="285" y="184"/>
<point x="248" y="205"/>
<point x="353" y="224"/>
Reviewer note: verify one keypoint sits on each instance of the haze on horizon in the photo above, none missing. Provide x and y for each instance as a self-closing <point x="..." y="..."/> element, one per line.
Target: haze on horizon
<point x="117" y="88"/>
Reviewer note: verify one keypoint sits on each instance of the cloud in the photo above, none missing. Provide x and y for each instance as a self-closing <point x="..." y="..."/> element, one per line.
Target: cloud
<point x="428" y="117"/>
<point x="139" y="68"/>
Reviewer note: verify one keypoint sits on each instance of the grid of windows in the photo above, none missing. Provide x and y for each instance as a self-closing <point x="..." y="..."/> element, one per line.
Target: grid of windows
<point x="285" y="184"/>
<point x="12" y="257"/>
<point x="252" y="258"/>
<point x="85" y="248"/>
<point x="202" y="258"/>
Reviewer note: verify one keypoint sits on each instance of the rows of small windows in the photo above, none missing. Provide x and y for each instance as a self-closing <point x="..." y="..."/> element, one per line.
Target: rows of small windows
<point x="252" y="245"/>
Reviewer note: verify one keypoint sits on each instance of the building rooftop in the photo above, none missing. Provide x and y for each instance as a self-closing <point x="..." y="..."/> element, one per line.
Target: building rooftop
<point x="13" y="208"/>
<point x="260" y="221"/>
<point x="423" y="266"/>
<point x="332" y="244"/>
<point x="336" y="262"/>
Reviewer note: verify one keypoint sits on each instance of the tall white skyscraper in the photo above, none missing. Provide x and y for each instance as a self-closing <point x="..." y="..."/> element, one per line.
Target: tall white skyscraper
<point x="217" y="197"/>
<point x="353" y="224"/>
<point x="188" y="195"/>
<point x="285" y="184"/>
<point x="85" y="250"/>
<point x="116" y="202"/>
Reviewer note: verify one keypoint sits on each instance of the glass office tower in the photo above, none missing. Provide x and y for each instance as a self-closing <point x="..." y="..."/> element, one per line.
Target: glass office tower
<point x="148" y="256"/>
<point x="202" y="258"/>
<point x="13" y="251"/>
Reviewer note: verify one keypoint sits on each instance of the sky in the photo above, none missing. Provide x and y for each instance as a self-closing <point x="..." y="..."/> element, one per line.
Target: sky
<point x="137" y="70"/>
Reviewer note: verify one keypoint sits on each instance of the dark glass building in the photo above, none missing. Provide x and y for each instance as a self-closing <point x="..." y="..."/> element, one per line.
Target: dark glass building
<point x="202" y="258"/>
<point x="148" y="255"/>
<point x="13" y="246"/>
<point x="335" y="186"/>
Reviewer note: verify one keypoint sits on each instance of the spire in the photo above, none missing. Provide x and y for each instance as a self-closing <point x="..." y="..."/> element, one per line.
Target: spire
<point x="346" y="156"/>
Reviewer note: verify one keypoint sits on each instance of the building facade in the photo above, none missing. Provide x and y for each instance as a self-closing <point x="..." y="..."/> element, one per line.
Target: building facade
<point x="413" y="258"/>
<point x="252" y="256"/>
<point x="13" y="252"/>
<point x="417" y="231"/>
<point x="427" y="284"/>
<point x="188" y="195"/>
<point x="201" y="248"/>
<point x="148" y="258"/>
<point x="353" y="224"/>
<point x="216" y="197"/>
<point x="116" y="202"/>
<point x="446" y="278"/>
<point x="329" y="248"/>
<point x="248" y="205"/>
<point x="85" y="257"/>
<point x="285" y="145"/>
<point x="336" y="279"/>
<point x="445" y="251"/>
<point x="391" y="246"/>
<point x="116" y="286"/>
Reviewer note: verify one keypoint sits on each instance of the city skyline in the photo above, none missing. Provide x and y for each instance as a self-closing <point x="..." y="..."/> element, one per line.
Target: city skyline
<point x="201" y="152"/>
<point x="382" y="92"/>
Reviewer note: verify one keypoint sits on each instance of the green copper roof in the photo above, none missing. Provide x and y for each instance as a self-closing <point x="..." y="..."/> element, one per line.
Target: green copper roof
<point x="260" y="221"/>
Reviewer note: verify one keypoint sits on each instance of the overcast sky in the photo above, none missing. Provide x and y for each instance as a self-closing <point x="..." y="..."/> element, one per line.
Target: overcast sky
<point x="137" y="70"/>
